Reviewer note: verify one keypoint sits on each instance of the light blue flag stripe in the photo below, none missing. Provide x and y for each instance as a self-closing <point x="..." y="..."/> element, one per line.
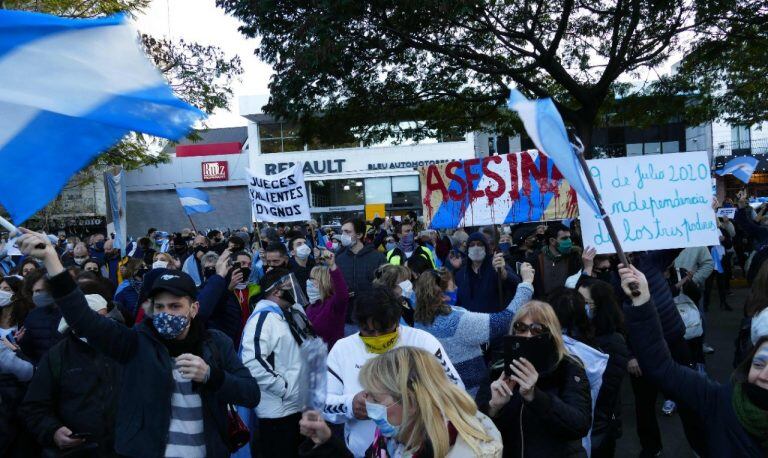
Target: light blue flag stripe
<point x="544" y="125"/>
<point x="70" y="90"/>
<point x="194" y="201"/>
<point x="741" y="167"/>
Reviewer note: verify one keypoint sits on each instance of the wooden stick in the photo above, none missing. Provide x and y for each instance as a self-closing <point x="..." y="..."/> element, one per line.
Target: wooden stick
<point x="192" y="223"/>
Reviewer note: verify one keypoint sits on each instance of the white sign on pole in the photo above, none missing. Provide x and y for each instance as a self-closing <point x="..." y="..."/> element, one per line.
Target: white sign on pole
<point x="655" y="202"/>
<point x="279" y="197"/>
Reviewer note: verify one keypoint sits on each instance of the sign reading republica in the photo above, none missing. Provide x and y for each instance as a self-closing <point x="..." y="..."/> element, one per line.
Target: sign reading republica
<point x="215" y="171"/>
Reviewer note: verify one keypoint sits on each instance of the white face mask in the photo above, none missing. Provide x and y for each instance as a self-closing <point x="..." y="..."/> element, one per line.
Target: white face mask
<point x="80" y="261"/>
<point x="346" y="239"/>
<point x="476" y="253"/>
<point x="303" y="251"/>
<point x="313" y="292"/>
<point x="5" y="298"/>
<point x="406" y="287"/>
<point x="334" y="246"/>
<point x="160" y="264"/>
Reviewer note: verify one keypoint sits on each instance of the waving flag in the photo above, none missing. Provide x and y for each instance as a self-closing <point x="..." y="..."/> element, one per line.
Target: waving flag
<point x="545" y="127"/>
<point x="194" y="201"/>
<point x="741" y="167"/>
<point x="70" y="89"/>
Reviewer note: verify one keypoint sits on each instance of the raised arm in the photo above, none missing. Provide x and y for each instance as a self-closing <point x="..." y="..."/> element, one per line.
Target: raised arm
<point x="111" y="337"/>
<point x="340" y="296"/>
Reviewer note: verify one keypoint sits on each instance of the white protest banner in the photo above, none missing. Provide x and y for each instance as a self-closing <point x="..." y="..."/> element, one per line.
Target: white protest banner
<point x="655" y="202"/>
<point x="728" y="212"/>
<point x="280" y="197"/>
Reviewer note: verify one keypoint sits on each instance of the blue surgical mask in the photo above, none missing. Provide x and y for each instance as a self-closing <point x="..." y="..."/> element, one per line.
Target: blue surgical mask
<point x="169" y="326"/>
<point x="313" y="292"/>
<point x="378" y="413"/>
<point x="42" y="299"/>
<point x="391" y="246"/>
<point x="451" y="297"/>
<point x="505" y="247"/>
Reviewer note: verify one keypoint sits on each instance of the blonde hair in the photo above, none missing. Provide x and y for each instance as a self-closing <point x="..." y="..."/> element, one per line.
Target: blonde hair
<point x="164" y="257"/>
<point x="429" y="297"/>
<point x="541" y="312"/>
<point x="415" y="378"/>
<point x="322" y="275"/>
<point x="389" y="275"/>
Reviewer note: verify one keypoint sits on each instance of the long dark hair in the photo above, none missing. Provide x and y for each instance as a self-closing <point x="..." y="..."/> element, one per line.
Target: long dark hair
<point x="607" y="317"/>
<point x="19" y="305"/>
<point x="568" y="305"/>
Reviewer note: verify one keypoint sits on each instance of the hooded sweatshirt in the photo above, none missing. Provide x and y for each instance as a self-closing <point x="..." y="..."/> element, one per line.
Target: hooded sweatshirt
<point x="479" y="292"/>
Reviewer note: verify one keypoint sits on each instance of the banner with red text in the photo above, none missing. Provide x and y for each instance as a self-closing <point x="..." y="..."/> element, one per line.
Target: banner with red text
<point x="509" y="188"/>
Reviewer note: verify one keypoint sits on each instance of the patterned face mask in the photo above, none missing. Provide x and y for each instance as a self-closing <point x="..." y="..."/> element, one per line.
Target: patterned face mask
<point x="169" y="326"/>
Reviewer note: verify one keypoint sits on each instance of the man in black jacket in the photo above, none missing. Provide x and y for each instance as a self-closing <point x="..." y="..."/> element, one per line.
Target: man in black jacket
<point x="72" y="399"/>
<point x="178" y="378"/>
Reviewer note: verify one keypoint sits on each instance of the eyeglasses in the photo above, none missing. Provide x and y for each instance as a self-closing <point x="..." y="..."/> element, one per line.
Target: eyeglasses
<point x="536" y="329"/>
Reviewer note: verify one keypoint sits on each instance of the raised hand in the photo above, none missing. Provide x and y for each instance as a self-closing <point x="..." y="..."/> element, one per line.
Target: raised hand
<point x="502" y="390"/>
<point x="526" y="376"/>
<point x="631" y="275"/>
<point x="527" y="272"/>
<point x="314" y="427"/>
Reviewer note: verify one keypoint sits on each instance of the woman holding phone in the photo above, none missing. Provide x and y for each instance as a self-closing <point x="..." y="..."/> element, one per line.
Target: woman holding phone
<point x="541" y="404"/>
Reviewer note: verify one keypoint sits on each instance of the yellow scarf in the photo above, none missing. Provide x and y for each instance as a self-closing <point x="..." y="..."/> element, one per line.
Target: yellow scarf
<point x="380" y="344"/>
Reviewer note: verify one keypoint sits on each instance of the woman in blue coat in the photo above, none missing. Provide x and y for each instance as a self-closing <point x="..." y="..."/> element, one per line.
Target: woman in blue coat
<point x="735" y="414"/>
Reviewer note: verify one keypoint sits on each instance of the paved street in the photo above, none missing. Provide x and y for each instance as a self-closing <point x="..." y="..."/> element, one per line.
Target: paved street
<point x="722" y="328"/>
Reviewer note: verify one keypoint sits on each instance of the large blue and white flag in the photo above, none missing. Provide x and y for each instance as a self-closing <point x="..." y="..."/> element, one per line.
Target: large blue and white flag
<point x="70" y="89"/>
<point x="544" y="125"/>
<point x="116" y="198"/>
<point x="194" y="201"/>
<point x="741" y="167"/>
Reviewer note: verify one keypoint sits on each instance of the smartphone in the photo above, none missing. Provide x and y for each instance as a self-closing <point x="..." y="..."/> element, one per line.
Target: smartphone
<point x="516" y="347"/>
<point x="518" y="264"/>
<point x="84" y="436"/>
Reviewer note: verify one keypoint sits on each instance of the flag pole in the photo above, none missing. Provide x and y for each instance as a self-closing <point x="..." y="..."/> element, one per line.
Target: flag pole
<point x="192" y="223"/>
<point x="634" y="287"/>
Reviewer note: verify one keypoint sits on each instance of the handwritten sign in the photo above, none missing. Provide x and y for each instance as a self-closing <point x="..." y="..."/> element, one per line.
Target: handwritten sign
<point x="655" y="202"/>
<point x="727" y="212"/>
<point x="280" y="197"/>
<point x="509" y="188"/>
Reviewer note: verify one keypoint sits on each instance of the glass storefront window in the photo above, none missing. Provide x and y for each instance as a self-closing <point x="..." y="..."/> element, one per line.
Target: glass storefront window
<point x="378" y="190"/>
<point x="408" y="183"/>
<point x="279" y="138"/>
<point x="337" y="193"/>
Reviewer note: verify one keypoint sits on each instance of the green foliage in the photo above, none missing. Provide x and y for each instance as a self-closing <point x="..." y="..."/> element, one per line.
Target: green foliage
<point x="445" y="65"/>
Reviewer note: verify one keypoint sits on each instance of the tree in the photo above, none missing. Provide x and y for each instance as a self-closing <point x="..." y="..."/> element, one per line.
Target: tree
<point x="199" y="74"/>
<point x="446" y="65"/>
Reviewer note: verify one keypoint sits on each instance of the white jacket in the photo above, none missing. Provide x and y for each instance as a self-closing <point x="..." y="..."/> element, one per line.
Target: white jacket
<point x="344" y="363"/>
<point x="272" y="355"/>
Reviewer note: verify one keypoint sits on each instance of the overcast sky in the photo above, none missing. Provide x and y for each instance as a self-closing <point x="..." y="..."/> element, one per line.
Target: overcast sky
<point x="203" y="22"/>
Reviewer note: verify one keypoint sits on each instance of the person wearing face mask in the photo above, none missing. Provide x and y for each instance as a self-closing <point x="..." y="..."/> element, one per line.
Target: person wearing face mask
<point x="377" y="314"/>
<point x="328" y="298"/>
<point x="92" y="265"/>
<point x="357" y="261"/>
<point x="184" y="415"/>
<point x="463" y="332"/>
<point x="301" y="262"/>
<point x="57" y="404"/>
<point x="398" y="280"/>
<point x="127" y="294"/>
<point x="271" y="350"/>
<point x="556" y="261"/>
<point x="14" y="307"/>
<point x="478" y="280"/>
<point x="403" y="409"/>
<point x="734" y="414"/>
<point x="192" y="264"/>
<point x="41" y="324"/>
<point x="77" y="257"/>
<point x="543" y="409"/>
<point x="27" y="266"/>
<point x="96" y="249"/>
<point x="406" y="247"/>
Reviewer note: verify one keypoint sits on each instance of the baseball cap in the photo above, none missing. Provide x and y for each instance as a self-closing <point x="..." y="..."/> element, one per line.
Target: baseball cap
<point x="175" y="282"/>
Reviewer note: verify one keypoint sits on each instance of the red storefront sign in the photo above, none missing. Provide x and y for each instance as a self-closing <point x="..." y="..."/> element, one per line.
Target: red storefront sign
<point x="215" y="171"/>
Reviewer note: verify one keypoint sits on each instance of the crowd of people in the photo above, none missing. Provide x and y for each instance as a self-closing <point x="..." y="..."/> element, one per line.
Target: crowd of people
<point x="494" y="341"/>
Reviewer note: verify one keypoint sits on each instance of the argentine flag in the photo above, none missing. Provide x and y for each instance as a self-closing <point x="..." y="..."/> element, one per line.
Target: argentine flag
<point x="194" y="201"/>
<point x="70" y="89"/>
<point x="741" y="167"/>
<point x="544" y="125"/>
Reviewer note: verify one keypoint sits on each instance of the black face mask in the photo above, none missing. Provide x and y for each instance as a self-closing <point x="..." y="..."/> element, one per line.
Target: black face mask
<point x="604" y="275"/>
<point x="287" y="296"/>
<point x="200" y="250"/>
<point x="141" y="272"/>
<point x="208" y="272"/>
<point x="180" y="248"/>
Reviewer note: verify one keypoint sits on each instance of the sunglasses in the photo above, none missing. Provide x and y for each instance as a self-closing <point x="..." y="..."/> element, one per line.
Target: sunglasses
<point x="536" y="329"/>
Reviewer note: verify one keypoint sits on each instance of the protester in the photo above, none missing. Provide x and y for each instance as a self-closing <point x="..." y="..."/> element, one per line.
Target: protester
<point x="192" y="264"/>
<point x="406" y="247"/>
<point x="127" y="294"/>
<point x="328" y="298"/>
<point x="479" y="281"/>
<point x="357" y="262"/>
<point x="14" y="307"/>
<point x="71" y="401"/>
<point x="219" y="307"/>
<point x="301" y="263"/>
<point x="27" y="266"/>
<point x="421" y="413"/>
<point x="734" y="414"/>
<point x="92" y="265"/>
<point x="377" y="313"/>
<point x="462" y="332"/>
<point x="271" y="351"/>
<point x="397" y="279"/>
<point x="171" y="346"/>
<point x="540" y="411"/>
<point x="78" y="256"/>
<point x="556" y="261"/>
<point x="41" y="324"/>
